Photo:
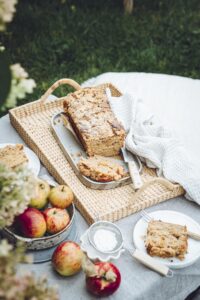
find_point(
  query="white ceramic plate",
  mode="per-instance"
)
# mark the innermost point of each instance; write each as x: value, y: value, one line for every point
x: 170, y: 216
x: 33, y: 160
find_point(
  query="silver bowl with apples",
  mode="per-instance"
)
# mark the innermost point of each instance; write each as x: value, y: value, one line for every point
x: 46, y: 241
x: 48, y: 221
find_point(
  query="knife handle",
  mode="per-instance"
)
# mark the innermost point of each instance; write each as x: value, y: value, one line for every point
x: 135, y: 175
x: 152, y: 263
x: 194, y: 235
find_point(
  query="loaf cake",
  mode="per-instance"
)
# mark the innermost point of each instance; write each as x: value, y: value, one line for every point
x: 166, y: 240
x: 13, y: 155
x: 101, y: 169
x: 94, y: 123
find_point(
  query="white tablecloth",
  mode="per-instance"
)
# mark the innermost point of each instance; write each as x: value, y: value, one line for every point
x: 175, y: 100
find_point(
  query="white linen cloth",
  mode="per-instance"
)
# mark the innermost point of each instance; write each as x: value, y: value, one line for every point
x: 156, y: 144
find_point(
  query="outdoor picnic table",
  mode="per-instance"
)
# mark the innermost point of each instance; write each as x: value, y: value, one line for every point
x: 175, y: 100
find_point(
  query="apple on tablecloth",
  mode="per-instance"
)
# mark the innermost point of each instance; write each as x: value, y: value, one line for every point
x: 67, y: 258
x: 102, y: 278
x: 56, y: 219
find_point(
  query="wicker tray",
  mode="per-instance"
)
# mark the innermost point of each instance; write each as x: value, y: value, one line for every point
x: 32, y: 121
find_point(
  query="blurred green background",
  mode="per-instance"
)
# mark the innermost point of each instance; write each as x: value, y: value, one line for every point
x: 80, y: 39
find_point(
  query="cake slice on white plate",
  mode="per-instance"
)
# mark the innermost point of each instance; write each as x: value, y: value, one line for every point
x: 13, y: 156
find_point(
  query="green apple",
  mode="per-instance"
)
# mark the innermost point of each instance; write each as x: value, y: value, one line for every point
x: 41, y: 196
x: 61, y: 196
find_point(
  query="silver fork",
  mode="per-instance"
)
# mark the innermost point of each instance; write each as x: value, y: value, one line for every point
x: 145, y: 216
x: 148, y: 218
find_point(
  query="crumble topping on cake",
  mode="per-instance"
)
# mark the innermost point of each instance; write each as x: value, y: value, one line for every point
x: 100, y: 169
x: 166, y: 239
x: 13, y: 156
x: 94, y: 123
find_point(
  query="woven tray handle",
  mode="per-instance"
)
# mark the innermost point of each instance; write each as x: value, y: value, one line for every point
x: 58, y: 83
x: 169, y: 185
x: 162, y: 181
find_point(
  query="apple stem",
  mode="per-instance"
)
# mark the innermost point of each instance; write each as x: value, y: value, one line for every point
x: 42, y: 186
x: 63, y: 189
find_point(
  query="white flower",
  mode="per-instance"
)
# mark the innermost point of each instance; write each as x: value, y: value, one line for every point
x: 5, y: 248
x: 16, y: 189
x: 27, y: 85
x: 18, y: 72
x: 20, y: 85
x: 7, y: 10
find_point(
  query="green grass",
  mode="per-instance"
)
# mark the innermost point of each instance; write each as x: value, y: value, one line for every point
x: 80, y: 39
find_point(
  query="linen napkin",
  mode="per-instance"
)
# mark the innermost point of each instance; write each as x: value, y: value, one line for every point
x: 155, y: 144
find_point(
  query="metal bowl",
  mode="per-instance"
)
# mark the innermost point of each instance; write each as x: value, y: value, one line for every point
x: 46, y: 241
x: 108, y: 226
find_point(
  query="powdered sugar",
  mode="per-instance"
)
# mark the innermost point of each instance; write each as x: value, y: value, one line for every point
x: 105, y: 240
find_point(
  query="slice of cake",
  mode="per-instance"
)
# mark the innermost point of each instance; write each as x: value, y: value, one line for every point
x: 100, y: 169
x: 166, y: 239
x: 94, y: 123
x: 13, y: 156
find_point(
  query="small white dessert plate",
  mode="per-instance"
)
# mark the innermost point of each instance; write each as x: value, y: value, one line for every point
x: 93, y: 253
x: 33, y: 160
x: 193, y: 252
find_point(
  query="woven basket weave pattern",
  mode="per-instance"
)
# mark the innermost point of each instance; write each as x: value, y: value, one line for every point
x: 32, y: 121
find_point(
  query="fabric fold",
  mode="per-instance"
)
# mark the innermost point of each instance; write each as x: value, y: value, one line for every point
x: 155, y: 144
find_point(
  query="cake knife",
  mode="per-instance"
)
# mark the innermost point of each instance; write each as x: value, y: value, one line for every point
x: 150, y: 262
x: 134, y: 166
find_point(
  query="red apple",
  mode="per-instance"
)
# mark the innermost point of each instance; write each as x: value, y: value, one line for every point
x: 31, y: 223
x: 67, y: 258
x: 56, y: 219
x: 102, y: 278
x: 61, y: 196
